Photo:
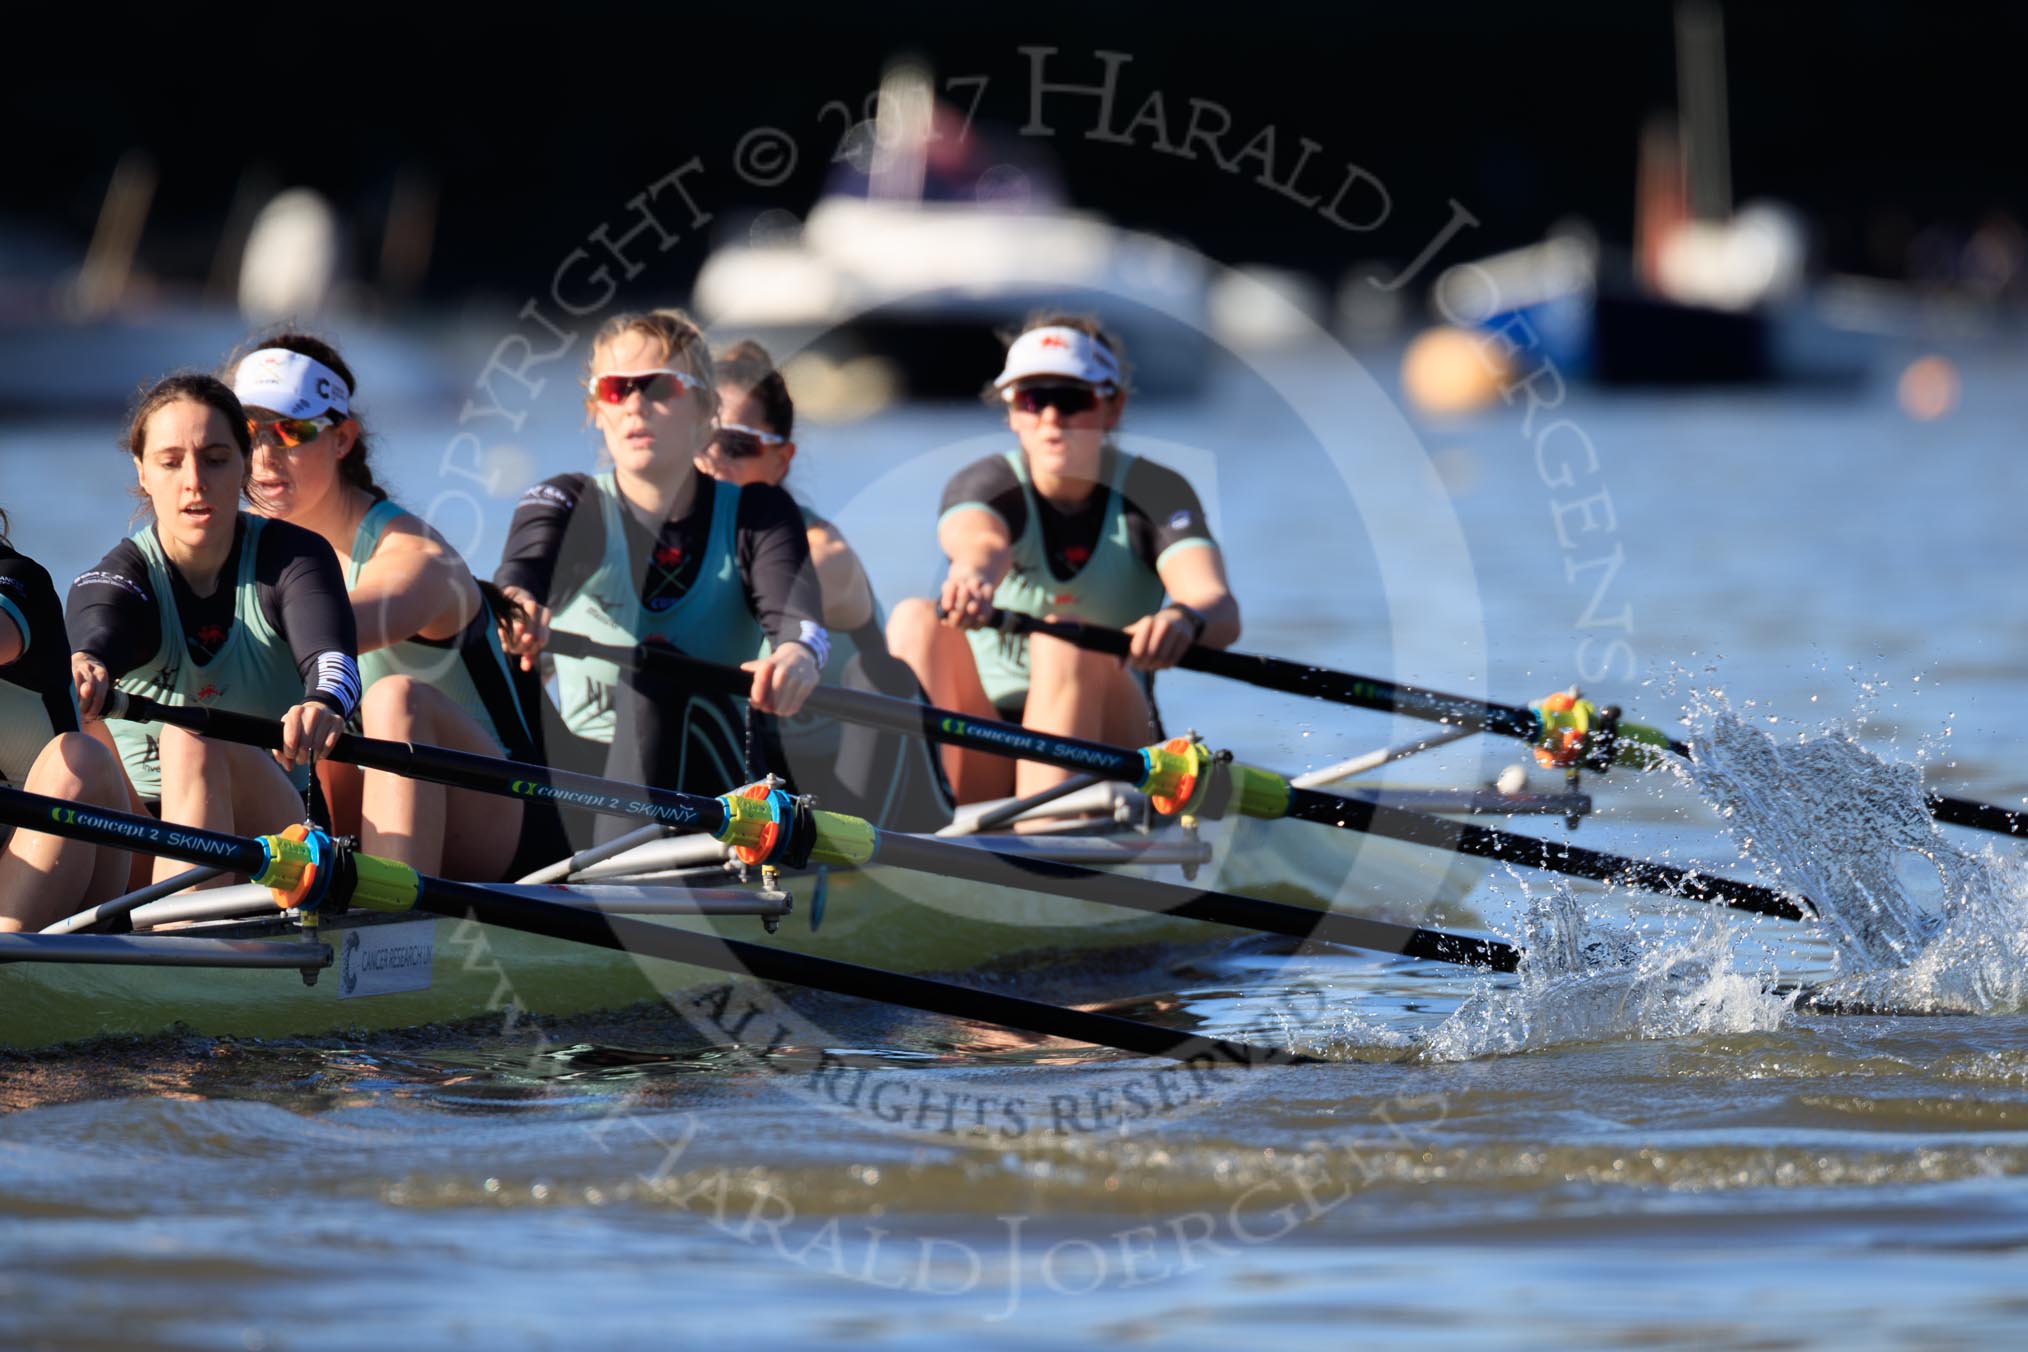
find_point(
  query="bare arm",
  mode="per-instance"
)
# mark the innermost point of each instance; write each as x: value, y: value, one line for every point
x: 414, y: 586
x: 1196, y: 578
x: 10, y: 640
x: 1193, y: 577
x: 848, y: 596
x: 977, y: 544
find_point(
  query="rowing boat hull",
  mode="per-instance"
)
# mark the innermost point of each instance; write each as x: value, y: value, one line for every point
x: 875, y: 917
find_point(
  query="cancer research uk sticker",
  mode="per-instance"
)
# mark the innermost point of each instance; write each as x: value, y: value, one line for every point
x: 386, y: 959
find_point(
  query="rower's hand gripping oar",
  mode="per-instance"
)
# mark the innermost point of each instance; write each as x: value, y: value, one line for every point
x: 1566, y: 731
x: 316, y: 876
x: 772, y: 829
x: 1184, y: 778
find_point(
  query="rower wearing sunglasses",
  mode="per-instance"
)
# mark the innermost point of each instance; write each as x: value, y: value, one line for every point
x: 43, y: 750
x: 1067, y: 525
x: 429, y: 648
x: 885, y: 777
x: 209, y: 604
x: 651, y: 550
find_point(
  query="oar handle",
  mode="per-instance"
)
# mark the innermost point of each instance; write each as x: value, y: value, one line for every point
x: 1293, y: 678
x: 444, y: 765
x: 903, y: 716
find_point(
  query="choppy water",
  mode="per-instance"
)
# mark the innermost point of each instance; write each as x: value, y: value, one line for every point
x: 1637, y: 1139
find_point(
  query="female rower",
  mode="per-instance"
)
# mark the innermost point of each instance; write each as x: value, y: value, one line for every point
x: 650, y: 550
x: 42, y: 750
x: 846, y: 767
x: 1067, y: 525
x: 430, y: 656
x: 209, y: 604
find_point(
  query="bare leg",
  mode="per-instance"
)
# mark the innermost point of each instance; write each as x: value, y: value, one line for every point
x: 43, y: 877
x: 140, y: 867
x: 941, y: 658
x: 341, y: 785
x: 222, y: 787
x: 458, y: 833
x: 1074, y: 693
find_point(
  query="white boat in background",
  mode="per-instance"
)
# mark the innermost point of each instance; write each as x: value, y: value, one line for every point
x: 928, y: 242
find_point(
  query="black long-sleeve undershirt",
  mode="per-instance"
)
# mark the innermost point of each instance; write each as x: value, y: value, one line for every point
x: 43, y: 668
x: 113, y: 614
x: 553, y: 547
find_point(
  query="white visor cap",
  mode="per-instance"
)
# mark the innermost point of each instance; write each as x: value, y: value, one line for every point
x: 1071, y: 353
x: 290, y: 383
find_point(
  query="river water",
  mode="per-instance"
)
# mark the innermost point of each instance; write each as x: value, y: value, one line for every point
x: 1632, y: 1142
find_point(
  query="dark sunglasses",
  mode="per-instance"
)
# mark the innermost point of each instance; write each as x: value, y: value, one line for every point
x: 289, y: 432
x: 663, y: 384
x: 1067, y: 400
x: 738, y: 442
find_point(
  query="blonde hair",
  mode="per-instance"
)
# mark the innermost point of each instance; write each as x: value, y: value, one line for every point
x: 683, y: 345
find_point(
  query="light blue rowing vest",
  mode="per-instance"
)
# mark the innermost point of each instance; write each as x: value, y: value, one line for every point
x: 710, y: 621
x: 1114, y: 587
x: 254, y: 673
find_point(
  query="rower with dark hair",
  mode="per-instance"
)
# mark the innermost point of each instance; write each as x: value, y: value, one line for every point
x: 42, y: 750
x: 887, y: 778
x: 430, y: 655
x: 212, y: 605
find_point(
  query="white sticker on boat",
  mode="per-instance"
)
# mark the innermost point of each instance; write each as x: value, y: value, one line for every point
x: 386, y: 959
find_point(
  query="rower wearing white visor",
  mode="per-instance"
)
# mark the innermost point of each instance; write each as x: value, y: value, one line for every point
x: 212, y: 605
x: 429, y: 645
x: 1066, y: 525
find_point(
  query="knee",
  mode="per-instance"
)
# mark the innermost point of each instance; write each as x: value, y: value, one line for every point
x: 392, y: 705
x: 913, y: 624
x: 183, y: 752
x: 1051, y: 661
x: 75, y: 766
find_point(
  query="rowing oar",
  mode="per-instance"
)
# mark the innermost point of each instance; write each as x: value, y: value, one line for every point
x: 1601, y: 738
x: 1183, y: 777
x: 312, y: 873
x: 846, y: 841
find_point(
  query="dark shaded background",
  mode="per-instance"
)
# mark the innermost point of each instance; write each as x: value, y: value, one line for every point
x: 1878, y: 119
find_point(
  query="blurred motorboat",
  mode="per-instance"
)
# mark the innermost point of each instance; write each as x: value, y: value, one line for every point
x: 932, y: 237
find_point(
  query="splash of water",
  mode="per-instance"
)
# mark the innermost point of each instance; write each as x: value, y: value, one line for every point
x: 1835, y: 822
x: 1585, y: 981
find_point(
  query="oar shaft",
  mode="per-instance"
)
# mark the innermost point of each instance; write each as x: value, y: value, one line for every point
x: 128, y: 831
x: 441, y: 896
x: 951, y: 860
x: 443, y: 765
x: 708, y: 815
x: 880, y: 711
x: 1309, y: 805
x: 1369, y: 692
x: 1575, y: 861
x: 1980, y: 816
x: 740, y: 958
x: 1293, y: 678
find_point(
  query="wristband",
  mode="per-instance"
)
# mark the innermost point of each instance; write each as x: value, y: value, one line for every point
x: 1196, y: 618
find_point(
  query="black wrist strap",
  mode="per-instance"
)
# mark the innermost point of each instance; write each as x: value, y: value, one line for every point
x: 1196, y: 618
